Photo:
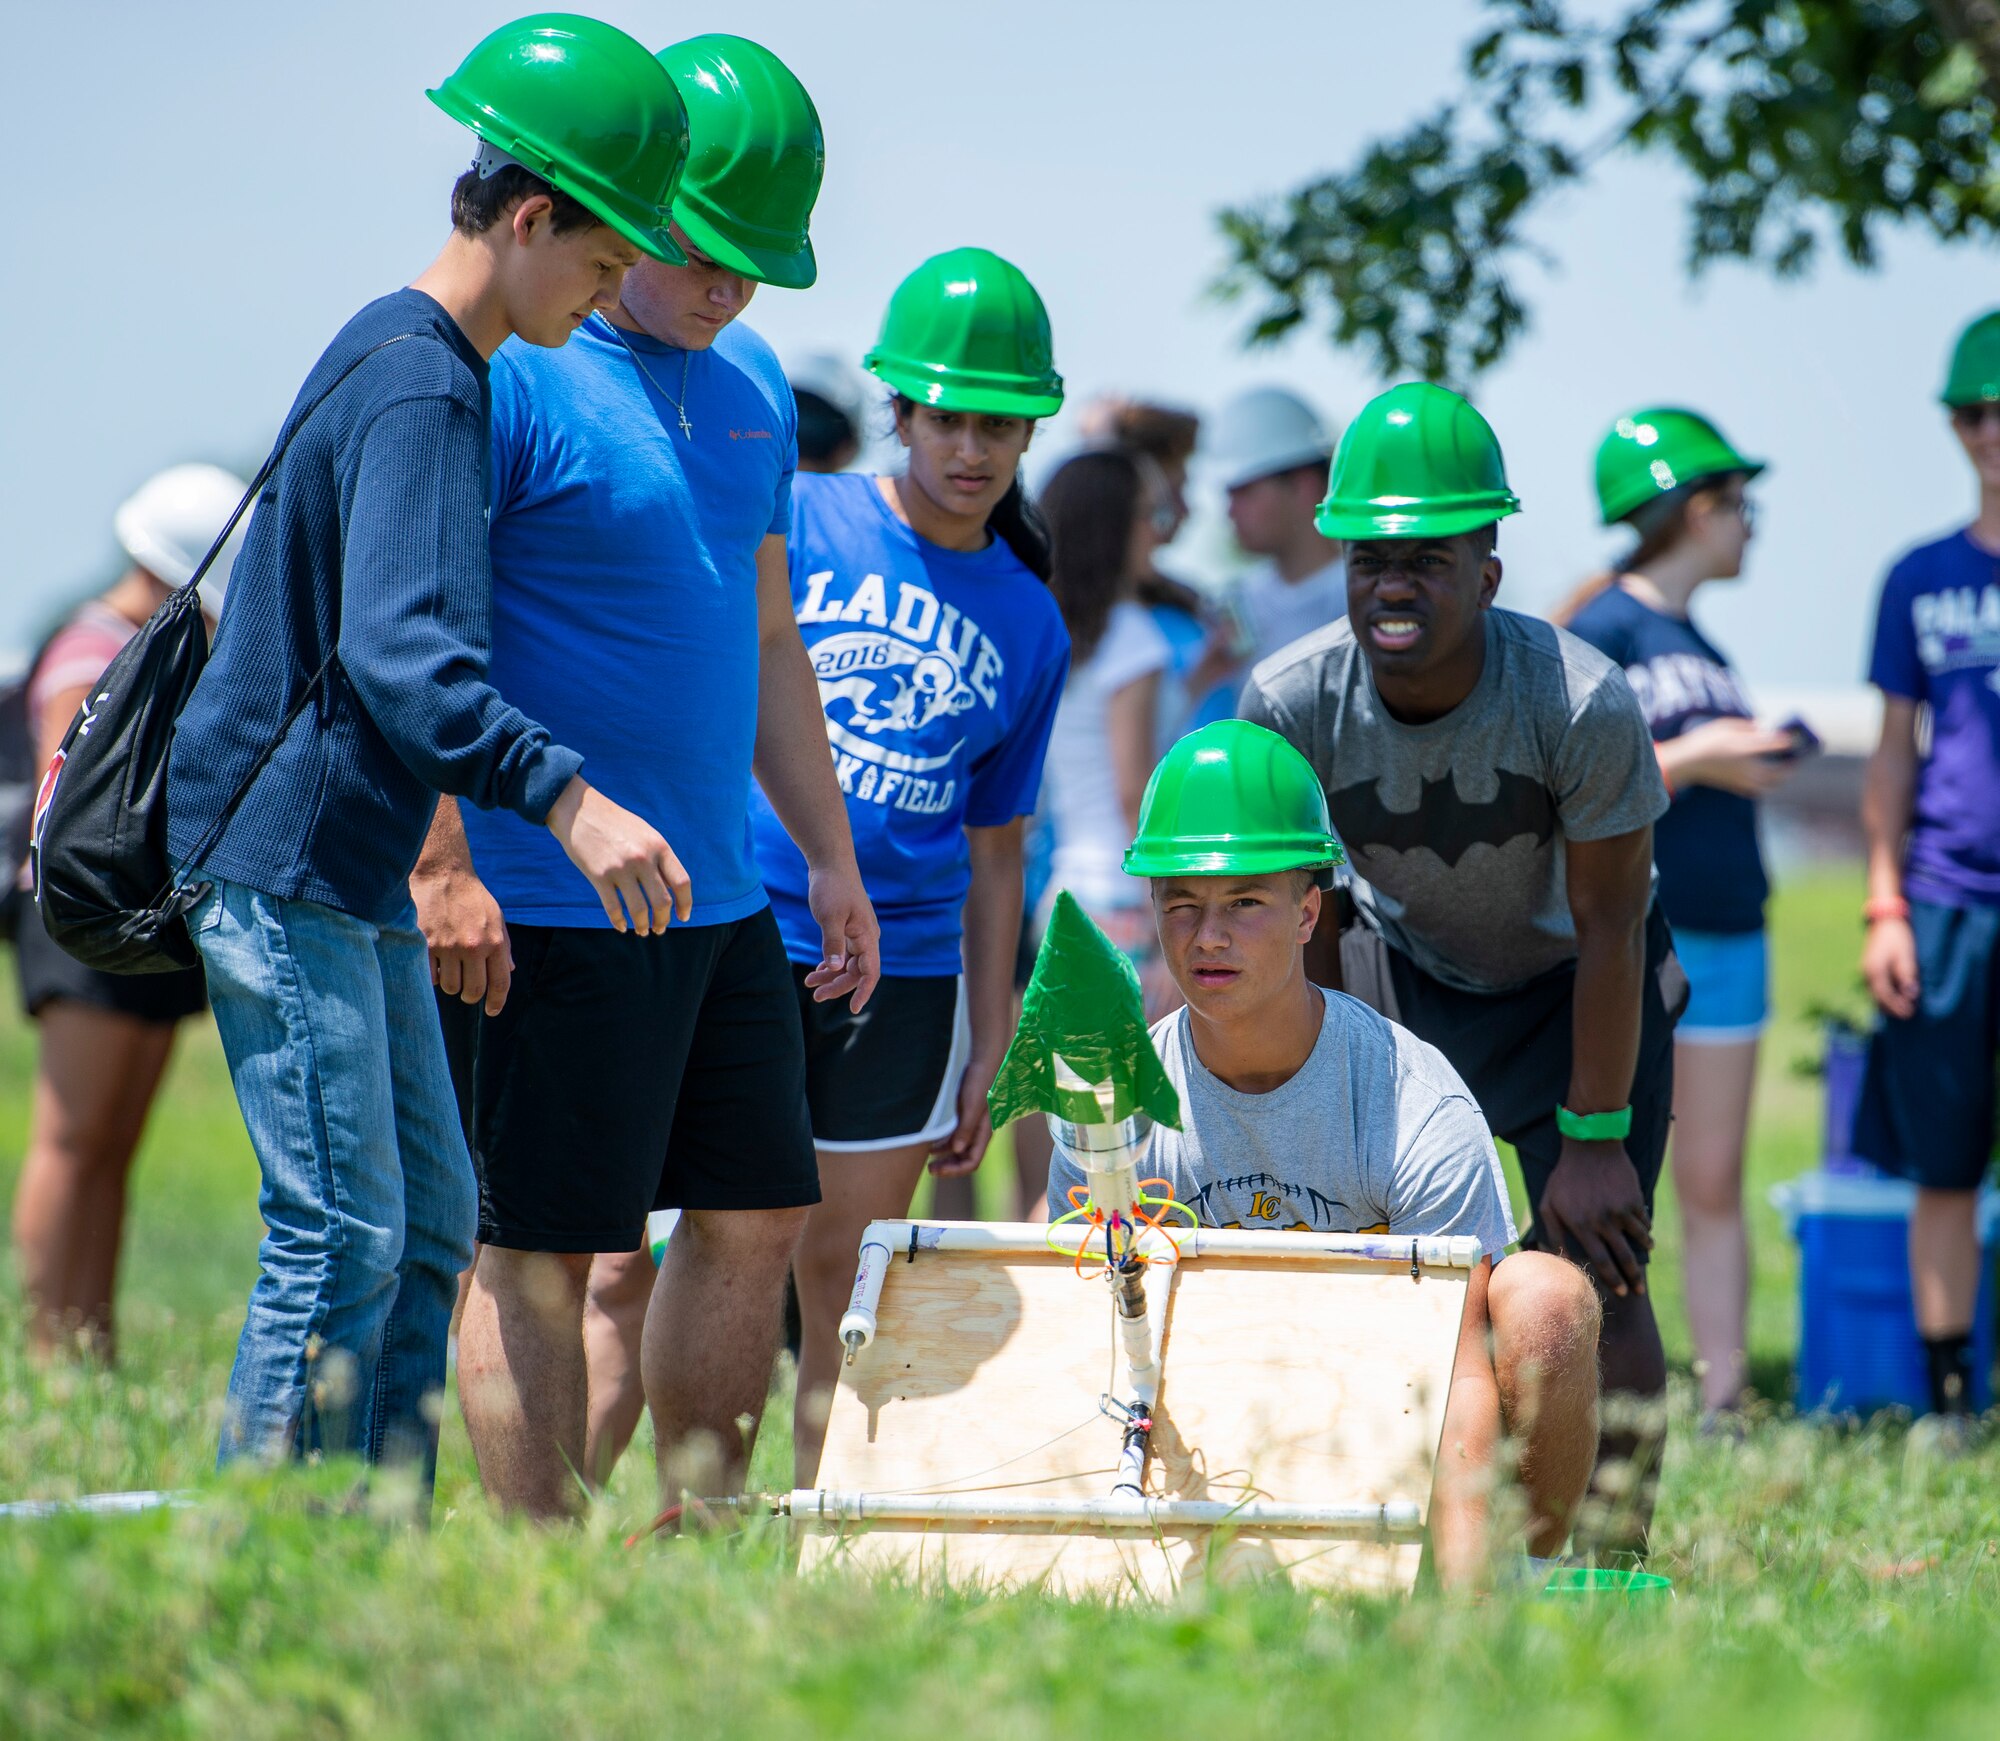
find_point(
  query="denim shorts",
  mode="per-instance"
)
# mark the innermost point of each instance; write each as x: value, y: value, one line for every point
x: 1728, y: 985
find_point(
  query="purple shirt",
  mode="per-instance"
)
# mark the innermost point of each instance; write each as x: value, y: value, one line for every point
x: 1937, y: 641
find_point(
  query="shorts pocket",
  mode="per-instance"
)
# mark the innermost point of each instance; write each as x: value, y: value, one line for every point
x: 206, y: 914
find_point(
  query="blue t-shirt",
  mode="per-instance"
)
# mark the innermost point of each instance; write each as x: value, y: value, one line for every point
x: 1711, y: 870
x: 1937, y: 641
x: 625, y: 595
x: 939, y: 671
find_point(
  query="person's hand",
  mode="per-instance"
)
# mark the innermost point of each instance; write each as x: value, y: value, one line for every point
x: 625, y: 858
x: 466, y: 935
x: 850, y: 939
x: 965, y: 1148
x: 1733, y: 755
x: 1593, y: 1205
x: 1889, y: 965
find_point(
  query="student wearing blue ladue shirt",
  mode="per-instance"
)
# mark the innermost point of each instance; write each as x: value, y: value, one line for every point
x: 940, y: 656
x: 1679, y: 485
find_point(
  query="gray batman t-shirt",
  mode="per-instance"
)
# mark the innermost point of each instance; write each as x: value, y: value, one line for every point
x: 1455, y: 828
x: 1375, y: 1134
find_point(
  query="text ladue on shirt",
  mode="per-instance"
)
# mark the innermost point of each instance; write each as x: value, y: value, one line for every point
x: 886, y: 683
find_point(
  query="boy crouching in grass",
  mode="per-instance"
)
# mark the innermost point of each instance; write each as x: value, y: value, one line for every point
x: 1304, y: 1109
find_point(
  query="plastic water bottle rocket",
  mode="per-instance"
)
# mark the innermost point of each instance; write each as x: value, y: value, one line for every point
x: 1083, y: 1058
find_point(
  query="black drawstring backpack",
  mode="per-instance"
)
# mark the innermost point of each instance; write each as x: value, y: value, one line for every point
x: 101, y: 877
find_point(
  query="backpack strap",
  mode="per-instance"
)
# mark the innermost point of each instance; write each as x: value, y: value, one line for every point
x: 213, y: 833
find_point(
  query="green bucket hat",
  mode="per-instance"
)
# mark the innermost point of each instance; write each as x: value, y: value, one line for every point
x: 967, y: 332
x: 1418, y: 462
x: 1232, y: 799
x: 757, y: 160
x: 1649, y: 453
x: 1974, y: 375
x: 585, y: 107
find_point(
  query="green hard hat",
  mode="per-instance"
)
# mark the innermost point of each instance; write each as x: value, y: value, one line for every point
x: 1647, y: 453
x: 757, y: 160
x: 1974, y: 376
x: 967, y: 332
x: 1418, y: 462
x: 585, y: 107
x: 1232, y: 798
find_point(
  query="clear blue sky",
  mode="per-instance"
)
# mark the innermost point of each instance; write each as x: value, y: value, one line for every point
x: 203, y: 191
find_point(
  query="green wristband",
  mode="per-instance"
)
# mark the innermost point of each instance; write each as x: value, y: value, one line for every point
x: 1595, y: 1127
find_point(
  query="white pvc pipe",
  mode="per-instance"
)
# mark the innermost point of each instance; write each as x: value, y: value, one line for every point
x: 886, y: 1240
x: 101, y: 1504
x: 857, y: 1323
x: 1142, y: 1369
x: 1027, y: 1239
x: 1398, y: 1520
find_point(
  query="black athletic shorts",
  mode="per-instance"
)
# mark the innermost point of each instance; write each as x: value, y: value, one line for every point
x: 628, y: 1074
x: 887, y: 1078
x: 49, y: 974
x: 1512, y: 1049
x: 461, y: 1022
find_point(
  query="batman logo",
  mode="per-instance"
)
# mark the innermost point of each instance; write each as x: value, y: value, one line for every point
x: 1442, y: 820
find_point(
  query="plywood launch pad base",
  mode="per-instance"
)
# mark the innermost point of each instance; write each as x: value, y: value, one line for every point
x: 1307, y: 1382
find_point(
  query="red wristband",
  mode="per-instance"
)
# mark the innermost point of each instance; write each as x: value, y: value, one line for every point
x: 1886, y: 907
x: 1666, y: 779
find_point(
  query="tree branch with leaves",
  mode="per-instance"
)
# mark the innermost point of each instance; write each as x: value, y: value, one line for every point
x: 1799, y: 124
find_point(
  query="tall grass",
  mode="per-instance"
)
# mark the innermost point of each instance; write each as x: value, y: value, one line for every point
x: 1829, y: 1581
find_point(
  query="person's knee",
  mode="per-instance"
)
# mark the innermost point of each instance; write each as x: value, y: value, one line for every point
x: 759, y: 1237
x: 367, y: 1255
x: 1713, y: 1188
x: 621, y: 1280
x: 1546, y: 1321
x: 1946, y: 1205
x: 551, y: 1282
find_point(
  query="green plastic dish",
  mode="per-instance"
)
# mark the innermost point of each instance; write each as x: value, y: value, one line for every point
x: 1607, y: 1581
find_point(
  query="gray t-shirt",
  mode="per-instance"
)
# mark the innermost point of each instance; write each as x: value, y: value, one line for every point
x: 1455, y: 828
x: 1375, y: 1134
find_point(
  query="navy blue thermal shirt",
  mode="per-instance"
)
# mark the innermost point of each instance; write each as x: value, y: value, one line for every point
x: 370, y: 541
x: 1711, y: 868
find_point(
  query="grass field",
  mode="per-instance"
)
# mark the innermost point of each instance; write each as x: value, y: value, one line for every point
x: 1827, y: 1583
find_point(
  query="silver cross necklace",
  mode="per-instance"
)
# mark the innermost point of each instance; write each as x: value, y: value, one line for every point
x: 680, y: 404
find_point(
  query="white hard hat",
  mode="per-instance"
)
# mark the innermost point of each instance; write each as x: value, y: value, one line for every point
x: 834, y: 379
x: 1262, y: 432
x: 167, y: 524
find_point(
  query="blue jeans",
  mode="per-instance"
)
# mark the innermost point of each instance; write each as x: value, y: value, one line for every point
x: 368, y: 1198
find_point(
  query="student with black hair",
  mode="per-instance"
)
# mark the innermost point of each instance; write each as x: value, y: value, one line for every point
x: 940, y: 655
x: 828, y: 394
x: 641, y: 506
x: 364, y: 588
x: 1101, y: 507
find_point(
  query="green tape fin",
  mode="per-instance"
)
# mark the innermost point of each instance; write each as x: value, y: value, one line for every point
x: 1083, y: 1005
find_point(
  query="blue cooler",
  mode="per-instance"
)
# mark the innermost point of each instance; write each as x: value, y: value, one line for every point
x: 1858, y: 1343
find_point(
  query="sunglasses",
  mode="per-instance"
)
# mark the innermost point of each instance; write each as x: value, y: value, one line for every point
x: 1970, y: 417
x: 1741, y: 506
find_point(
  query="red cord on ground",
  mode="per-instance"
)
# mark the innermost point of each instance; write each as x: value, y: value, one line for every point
x: 670, y: 1515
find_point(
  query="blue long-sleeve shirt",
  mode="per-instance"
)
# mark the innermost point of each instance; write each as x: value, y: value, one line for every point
x: 371, y: 541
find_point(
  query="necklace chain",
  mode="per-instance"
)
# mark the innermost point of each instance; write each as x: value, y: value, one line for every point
x: 680, y: 404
